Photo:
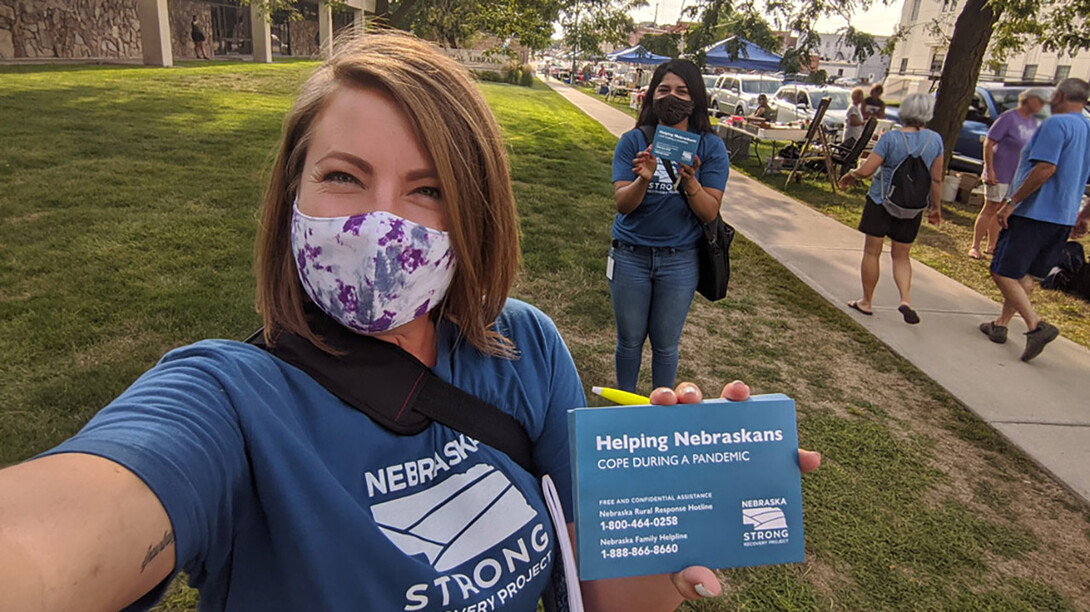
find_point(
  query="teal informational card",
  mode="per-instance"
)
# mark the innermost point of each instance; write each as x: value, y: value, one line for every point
x: 675, y: 145
x: 660, y: 488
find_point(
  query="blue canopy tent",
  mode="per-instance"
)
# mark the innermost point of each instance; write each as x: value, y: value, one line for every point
x: 750, y: 56
x: 637, y: 55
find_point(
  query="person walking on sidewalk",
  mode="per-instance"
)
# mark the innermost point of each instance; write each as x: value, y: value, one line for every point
x: 894, y: 147
x: 653, y: 263
x: 1038, y: 218
x: 1010, y: 132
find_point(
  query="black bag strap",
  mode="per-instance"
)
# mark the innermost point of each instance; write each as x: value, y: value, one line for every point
x: 395, y: 389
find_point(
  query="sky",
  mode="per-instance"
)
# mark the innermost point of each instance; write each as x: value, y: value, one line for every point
x: 880, y: 20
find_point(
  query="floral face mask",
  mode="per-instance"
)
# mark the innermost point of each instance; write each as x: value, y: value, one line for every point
x: 371, y: 272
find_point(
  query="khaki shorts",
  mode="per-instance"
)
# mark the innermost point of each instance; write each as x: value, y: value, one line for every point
x: 996, y: 193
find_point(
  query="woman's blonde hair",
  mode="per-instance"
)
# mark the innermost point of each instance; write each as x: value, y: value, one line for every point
x: 455, y: 126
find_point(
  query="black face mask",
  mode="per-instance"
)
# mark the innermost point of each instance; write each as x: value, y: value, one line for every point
x: 672, y: 110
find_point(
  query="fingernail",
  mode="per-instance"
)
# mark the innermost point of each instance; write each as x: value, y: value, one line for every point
x: 702, y: 590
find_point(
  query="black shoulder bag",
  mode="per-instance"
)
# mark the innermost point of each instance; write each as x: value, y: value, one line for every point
x: 714, y: 250
x: 393, y: 388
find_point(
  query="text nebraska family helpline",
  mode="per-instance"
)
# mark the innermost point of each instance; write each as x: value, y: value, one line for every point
x: 685, y: 438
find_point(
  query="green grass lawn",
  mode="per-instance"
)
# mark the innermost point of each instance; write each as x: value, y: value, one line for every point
x: 128, y: 201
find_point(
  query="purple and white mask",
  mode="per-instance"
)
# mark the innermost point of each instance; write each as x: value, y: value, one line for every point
x: 371, y: 272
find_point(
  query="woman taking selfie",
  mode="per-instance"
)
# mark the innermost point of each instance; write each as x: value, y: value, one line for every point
x: 278, y: 473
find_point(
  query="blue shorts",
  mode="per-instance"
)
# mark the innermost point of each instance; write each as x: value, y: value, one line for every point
x: 1029, y: 246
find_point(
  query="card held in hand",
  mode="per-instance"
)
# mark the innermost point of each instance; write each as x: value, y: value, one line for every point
x: 675, y: 145
x: 660, y: 488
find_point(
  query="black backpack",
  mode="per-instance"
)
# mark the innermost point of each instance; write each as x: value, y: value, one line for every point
x: 909, y: 189
x: 1071, y: 274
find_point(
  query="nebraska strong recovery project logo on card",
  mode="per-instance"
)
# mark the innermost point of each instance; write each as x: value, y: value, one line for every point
x: 766, y: 522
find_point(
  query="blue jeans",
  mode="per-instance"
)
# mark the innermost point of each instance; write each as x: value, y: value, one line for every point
x: 652, y: 290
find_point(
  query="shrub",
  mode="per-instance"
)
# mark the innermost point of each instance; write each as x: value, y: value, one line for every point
x: 527, y: 79
x: 512, y: 74
x: 489, y: 76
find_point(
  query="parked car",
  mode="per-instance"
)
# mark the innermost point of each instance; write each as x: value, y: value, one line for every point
x: 798, y: 101
x: 736, y: 94
x: 709, y: 85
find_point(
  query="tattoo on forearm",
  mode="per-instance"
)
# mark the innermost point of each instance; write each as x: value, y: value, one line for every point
x: 154, y: 550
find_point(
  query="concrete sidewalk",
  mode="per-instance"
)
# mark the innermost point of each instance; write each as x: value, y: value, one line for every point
x: 1043, y: 407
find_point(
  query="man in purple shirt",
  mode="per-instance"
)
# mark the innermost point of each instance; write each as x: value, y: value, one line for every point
x: 1010, y: 132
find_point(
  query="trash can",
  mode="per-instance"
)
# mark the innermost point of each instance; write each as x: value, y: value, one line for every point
x: 950, y: 187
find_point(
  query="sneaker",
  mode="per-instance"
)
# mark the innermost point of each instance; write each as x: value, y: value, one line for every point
x: 995, y: 333
x: 1038, y: 338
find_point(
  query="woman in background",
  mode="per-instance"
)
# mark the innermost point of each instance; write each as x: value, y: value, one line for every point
x: 200, y: 48
x: 1006, y: 137
x: 653, y: 266
x: 876, y: 223
x: 853, y: 126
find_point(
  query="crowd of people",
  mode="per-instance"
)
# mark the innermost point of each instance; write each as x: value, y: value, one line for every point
x: 1035, y: 175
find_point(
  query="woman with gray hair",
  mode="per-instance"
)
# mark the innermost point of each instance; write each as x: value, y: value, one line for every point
x: 880, y: 217
x: 1010, y: 132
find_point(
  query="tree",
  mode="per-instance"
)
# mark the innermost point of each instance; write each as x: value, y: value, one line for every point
x: 588, y: 24
x: 1005, y: 26
x: 661, y: 44
x: 456, y: 22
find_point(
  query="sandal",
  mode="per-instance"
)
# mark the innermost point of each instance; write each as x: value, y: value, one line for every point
x: 974, y: 253
x: 910, y: 315
x: 855, y: 304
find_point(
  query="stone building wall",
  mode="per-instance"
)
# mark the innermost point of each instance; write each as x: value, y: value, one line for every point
x: 181, y: 26
x: 302, y: 38
x: 69, y: 28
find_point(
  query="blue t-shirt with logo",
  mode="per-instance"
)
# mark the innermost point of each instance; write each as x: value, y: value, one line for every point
x: 283, y: 497
x: 1064, y: 141
x: 663, y: 218
x: 893, y: 147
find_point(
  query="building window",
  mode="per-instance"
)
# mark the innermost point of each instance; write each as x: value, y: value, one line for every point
x: 915, y: 10
x: 1029, y: 72
x: 949, y: 5
x: 1062, y: 72
x: 1001, y: 70
x: 904, y: 64
x: 936, y: 61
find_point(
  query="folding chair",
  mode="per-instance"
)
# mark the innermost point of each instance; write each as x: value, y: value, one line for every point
x: 846, y: 157
x: 816, y: 132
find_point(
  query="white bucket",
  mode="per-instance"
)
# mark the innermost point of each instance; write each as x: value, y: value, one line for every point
x: 950, y: 187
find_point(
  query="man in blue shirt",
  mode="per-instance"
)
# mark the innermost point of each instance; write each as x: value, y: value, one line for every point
x: 1038, y: 218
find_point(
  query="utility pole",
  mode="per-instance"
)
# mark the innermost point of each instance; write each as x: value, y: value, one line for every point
x: 656, y: 22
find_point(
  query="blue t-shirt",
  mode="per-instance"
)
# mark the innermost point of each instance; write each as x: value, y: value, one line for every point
x: 1062, y: 140
x: 663, y: 219
x: 892, y: 149
x: 282, y: 497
